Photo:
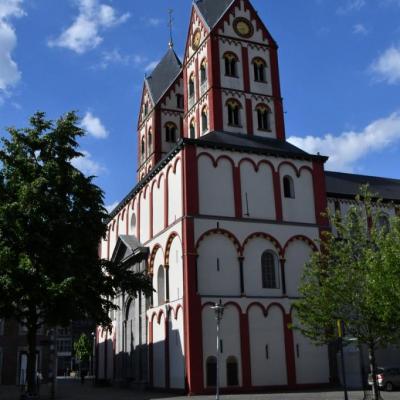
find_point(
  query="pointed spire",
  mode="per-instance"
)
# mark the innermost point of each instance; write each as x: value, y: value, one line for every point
x: 170, y: 25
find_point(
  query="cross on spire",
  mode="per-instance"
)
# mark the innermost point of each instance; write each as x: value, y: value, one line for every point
x: 170, y: 25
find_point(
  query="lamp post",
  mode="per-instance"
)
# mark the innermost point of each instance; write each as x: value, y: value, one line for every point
x: 340, y: 327
x: 219, y: 312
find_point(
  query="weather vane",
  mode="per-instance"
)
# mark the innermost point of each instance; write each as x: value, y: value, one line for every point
x: 170, y: 25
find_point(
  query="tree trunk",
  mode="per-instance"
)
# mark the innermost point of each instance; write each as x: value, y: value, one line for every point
x: 31, y: 372
x: 372, y: 364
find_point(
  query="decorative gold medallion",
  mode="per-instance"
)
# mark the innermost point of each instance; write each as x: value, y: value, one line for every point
x: 243, y: 27
x: 196, y: 38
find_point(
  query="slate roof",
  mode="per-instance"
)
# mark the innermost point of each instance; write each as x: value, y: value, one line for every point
x: 256, y: 144
x: 163, y: 75
x: 212, y: 10
x: 347, y: 185
x: 128, y: 247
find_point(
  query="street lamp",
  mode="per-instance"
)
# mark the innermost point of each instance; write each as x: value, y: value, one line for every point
x: 219, y: 312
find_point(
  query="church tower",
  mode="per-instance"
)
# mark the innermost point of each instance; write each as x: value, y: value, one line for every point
x: 225, y: 209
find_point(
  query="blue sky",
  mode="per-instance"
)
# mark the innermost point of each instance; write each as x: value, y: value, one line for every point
x: 339, y: 63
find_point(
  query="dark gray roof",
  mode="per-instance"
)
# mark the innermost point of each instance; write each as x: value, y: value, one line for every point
x: 128, y: 247
x: 339, y: 184
x: 163, y: 74
x: 257, y: 144
x: 212, y: 10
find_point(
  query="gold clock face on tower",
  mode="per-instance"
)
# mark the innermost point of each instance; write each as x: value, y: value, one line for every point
x: 243, y: 27
x: 196, y: 38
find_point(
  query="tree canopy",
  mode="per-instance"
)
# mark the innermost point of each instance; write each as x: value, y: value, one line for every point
x: 83, y: 348
x: 52, y: 219
x: 355, y: 278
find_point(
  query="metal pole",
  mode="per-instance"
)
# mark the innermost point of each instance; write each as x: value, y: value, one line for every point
x: 218, y: 357
x: 346, y: 395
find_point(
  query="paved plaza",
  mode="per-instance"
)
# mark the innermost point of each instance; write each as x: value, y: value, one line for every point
x: 73, y: 390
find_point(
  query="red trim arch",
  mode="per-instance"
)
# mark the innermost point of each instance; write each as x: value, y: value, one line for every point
x: 300, y: 238
x: 153, y: 256
x: 176, y: 310
x: 159, y: 314
x: 266, y: 309
x: 171, y: 238
x: 223, y: 232
x: 267, y: 237
x: 216, y: 161
x: 291, y: 165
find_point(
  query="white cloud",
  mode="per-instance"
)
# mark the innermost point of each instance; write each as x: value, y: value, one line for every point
x: 9, y: 72
x: 387, y: 66
x: 85, y: 32
x: 87, y: 165
x: 346, y: 149
x: 149, y: 67
x: 360, y: 29
x: 111, y: 207
x: 94, y: 126
x: 350, y: 6
x: 115, y: 57
x: 154, y: 21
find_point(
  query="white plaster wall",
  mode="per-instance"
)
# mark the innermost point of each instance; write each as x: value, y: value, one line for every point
x: 175, y: 209
x: 103, y: 247
x: 240, y: 12
x: 312, y: 362
x: 216, y: 187
x: 267, y: 331
x: 297, y: 255
x: 133, y: 218
x: 196, y: 24
x: 302, y: 207
x: 176, y: 352
x: 159, y: 352
x: 112, y: 237
x: 226, y: 281
x: 230, y: 336
x: 175, y: 270
x: 158, y: 205
x: 170, y: 100
x: 260, y: 191
x: 252, y: 273
x: 260, y: 87
x: 158, y: 260
x: 145, y: 215
x: 122, y: 223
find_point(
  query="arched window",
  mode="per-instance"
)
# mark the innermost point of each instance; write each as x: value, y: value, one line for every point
x: 203, y: 71
x: 269, y: 271
x: 232, y: 371
x: 149, y: 141
x: 204, y: 120
x: 211, y: 371
x: 231, y: 61
x: 133, y: 221
x: 233, y: 112
x: 192, y: 128
x: 288, y: 187
x: 170, y: 132
x: 191, y: 85
x: 263, y: 117
x: 143, y: 147
x: 259, y: 69
x: 161, y: 285
x: 146, y: 108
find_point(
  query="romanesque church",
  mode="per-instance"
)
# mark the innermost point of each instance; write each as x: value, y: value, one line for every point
x: 225, y: 209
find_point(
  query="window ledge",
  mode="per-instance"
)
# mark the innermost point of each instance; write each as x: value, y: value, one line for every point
x: 235, y: 126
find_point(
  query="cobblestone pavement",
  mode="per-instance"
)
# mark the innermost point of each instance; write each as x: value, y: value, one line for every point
x: 73, y: 390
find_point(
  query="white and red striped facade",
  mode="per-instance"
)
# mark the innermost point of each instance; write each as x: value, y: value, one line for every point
x: 207, y: 213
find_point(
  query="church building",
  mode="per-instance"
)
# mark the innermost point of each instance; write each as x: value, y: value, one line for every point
x: 225, y: 209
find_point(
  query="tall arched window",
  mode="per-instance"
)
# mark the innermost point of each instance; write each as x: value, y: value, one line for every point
x: 211, y: 371
x: 143, y: 149
x: 259, y: 69
x: 288, y: 187
x: 146, y: 108
x: 263, y: 117
x: 191, y: 85
x: 203, y: 71
x: 192, y: 129
x: 269, y: 272
x: 231, y: 61
x: 149, y: 141
x: 233, y: 107
x: 170, y: 132
x: 204, y: 120
x: 232, y: 371
x: 161, y: 285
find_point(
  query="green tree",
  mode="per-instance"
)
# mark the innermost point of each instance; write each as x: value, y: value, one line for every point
x: 355, y: 278
x: 52, y: 219
x: 83, y: 348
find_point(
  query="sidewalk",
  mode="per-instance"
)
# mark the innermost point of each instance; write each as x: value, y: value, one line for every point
x: 73, y: 390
